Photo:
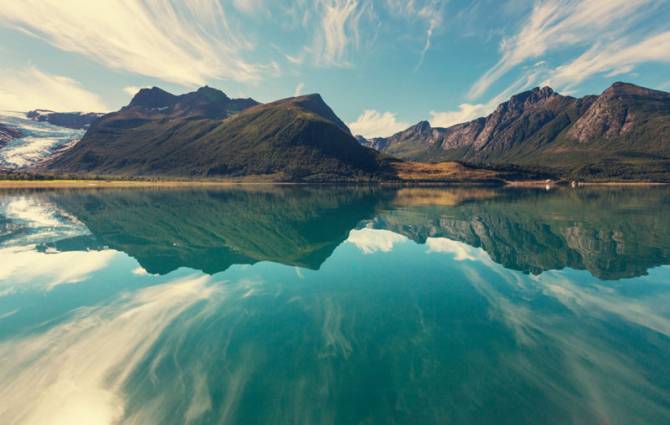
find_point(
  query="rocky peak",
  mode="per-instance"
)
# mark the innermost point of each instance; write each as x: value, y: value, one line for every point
x: 152, y: 98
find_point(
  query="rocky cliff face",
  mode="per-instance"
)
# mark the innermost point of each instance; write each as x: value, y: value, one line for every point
x: 541, y: 128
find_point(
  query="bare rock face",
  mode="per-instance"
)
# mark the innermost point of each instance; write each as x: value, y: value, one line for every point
x: 613, y: 114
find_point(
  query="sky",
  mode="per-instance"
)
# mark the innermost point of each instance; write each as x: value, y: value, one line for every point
x: 382, y: 65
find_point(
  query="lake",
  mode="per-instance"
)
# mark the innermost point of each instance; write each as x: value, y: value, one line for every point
x: 316, y: 305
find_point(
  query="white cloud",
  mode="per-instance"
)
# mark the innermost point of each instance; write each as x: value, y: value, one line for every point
x: 553, y: 24
x: 431, y: 12
x: 74, y: 372
x: 298, y: 89
x: 466, y: 112
x: 370, y: 241
x: 30, y: 88
x: 615, y: 59
x: 337, y: 31
x: 186, y: 42
x: 132, y: 90
x: 377, y: 124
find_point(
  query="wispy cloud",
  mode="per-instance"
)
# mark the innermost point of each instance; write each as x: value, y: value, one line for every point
x: 298, y: 89
x: 187, y: 42
x: 431, y: 12
x: 372, y: 123
x: 250, y: 7
x: 338, y: 30
x: 555, y: 24
x: 30, y: 88
x: 615, y: 59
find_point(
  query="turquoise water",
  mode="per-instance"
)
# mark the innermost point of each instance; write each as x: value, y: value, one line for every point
x: 278, y: 305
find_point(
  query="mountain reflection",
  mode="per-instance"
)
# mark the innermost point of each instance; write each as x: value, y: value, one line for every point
x: 210, y: 230
x: 611, y: 233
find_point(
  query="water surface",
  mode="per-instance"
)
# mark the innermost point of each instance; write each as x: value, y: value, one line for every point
x: 304, y: 305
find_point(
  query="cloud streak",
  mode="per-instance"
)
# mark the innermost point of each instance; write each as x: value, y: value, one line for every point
x: 555, y: 24
x: 31, y: 88
x: 187, y: 43
x: 338, y: 30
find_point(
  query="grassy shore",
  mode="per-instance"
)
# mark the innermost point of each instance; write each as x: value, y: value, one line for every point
x: 82, y: 184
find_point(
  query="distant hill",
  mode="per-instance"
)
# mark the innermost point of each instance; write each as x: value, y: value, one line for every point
x: 206, y: 134
x: 73, y: 120
x: 624, y: 133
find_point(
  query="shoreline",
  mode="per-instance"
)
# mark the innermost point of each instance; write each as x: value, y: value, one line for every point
x: 83, y: 184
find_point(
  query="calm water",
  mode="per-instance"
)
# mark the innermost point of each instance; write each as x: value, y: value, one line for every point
x: 324, y: 306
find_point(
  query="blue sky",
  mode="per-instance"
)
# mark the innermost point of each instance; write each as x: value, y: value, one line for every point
x: 381, y: 64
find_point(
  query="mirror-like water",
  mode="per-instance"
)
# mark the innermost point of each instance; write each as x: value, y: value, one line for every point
x: 278, y: 305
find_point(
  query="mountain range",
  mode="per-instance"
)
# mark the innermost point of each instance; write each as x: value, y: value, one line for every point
x: 622, y: 133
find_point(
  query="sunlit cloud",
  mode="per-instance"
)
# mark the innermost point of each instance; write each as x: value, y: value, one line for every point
x: 131, y: 90
x: 187, y: 42
x: 555, y: 24
x: 26, y: 268
x: 30, y: 88
x: 372, y: 123
x: 370, y: 241
x: 74, y: 373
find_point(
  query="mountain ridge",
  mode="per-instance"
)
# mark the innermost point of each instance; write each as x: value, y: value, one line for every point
x: 603, y: 135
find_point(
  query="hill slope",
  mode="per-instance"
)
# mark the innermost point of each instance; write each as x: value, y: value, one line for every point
x: 623, y: 133
x: 207, y: 134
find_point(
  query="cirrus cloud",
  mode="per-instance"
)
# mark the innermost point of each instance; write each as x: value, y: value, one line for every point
x: 187, y: 43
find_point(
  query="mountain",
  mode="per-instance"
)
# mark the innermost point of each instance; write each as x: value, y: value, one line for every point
x: 207, y: 134
x: 623, y: 133
x: 73, y: 120
x: 25, y: 143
